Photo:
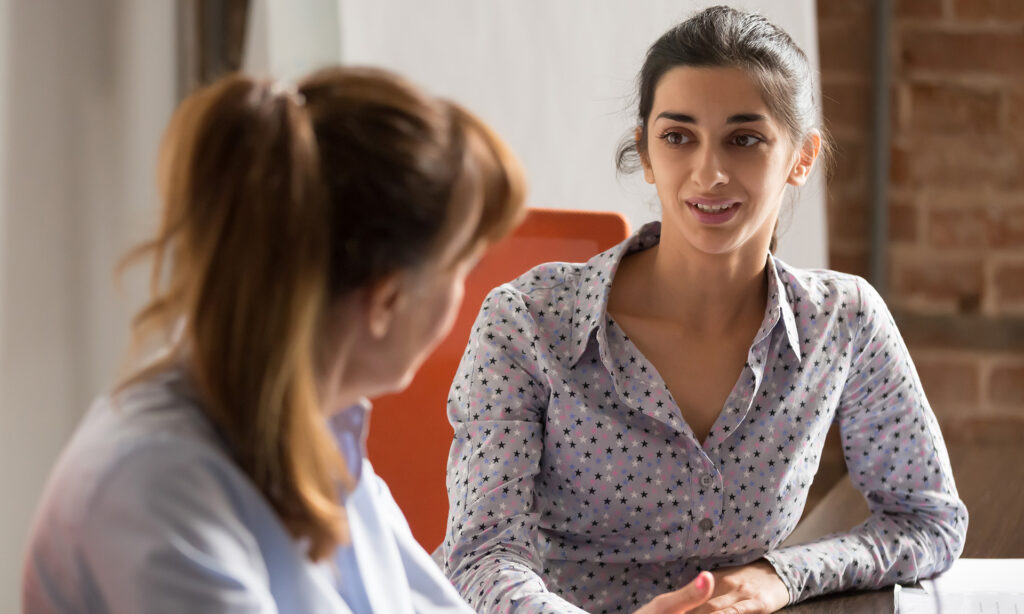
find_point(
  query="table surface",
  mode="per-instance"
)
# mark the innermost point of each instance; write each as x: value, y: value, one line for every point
x: 990, y: 480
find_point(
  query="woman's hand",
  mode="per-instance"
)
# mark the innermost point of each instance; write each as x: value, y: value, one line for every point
x: 682, y: 600
x: 750, y: 589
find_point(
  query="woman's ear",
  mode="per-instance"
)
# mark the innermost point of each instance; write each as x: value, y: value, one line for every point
x: 384, y: 299
x: 641, y: 151
x: 804, y: 163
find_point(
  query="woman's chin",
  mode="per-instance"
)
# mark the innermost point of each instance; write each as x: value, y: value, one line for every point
x: 397, y: 385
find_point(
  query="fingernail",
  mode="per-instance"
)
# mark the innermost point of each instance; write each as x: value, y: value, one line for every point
x: 702, y: 582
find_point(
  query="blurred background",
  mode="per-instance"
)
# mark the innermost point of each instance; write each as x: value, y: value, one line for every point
x: 924, y: 98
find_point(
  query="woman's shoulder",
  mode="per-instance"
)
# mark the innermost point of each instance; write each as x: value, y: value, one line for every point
x: 548, y: 278
x: 550, y: 288
x: 825, y: 289
x: 134, y: 445
x: 145, y: 485
x: 546, y: 289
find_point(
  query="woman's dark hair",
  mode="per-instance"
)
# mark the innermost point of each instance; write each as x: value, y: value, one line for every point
x: 724, y: 37
x: 277, y: 202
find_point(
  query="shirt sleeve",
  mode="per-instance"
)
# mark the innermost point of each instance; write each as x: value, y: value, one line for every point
x: 164, y: 536
x: 430, y: 591
x: 896, y: 457
x: 497, y: 405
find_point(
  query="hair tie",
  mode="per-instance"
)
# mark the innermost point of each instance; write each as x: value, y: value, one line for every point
x: 288, y: 90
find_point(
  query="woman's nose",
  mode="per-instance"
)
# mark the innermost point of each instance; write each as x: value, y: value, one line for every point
x: 709, y: 173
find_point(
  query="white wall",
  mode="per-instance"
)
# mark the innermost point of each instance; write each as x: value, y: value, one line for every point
x: 555, y: 79
x: 287, y: 39
x: 85, y: 88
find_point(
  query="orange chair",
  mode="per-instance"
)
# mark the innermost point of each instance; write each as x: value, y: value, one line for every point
x: 410, y: 435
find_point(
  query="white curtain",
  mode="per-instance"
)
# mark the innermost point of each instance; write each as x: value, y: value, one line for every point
x: 85, y: 90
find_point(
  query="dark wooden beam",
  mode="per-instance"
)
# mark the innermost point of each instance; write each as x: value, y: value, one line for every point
x: 211, y: 40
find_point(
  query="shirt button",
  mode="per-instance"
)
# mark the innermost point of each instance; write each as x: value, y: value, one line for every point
x: 706, y: 480
x: 706, y: 524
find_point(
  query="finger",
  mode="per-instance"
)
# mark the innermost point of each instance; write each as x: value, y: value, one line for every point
x: 718, y: 603
x: 690, y: 596
x: 748, y: 606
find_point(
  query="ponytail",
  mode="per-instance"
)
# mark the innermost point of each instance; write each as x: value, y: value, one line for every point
x: 278, y: 203
x: 244, y: 235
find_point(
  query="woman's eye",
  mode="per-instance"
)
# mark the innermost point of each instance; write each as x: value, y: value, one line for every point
x: 674, y: 138
x: 746, y: 140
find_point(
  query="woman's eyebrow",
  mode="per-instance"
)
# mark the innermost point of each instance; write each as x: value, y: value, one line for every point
x: 744, y: 118
x: 676, y: 117
x: 739, y: 118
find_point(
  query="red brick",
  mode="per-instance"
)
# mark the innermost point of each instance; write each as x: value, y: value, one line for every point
x: 1009, y: 282
x: 849, y: 219
x: 989, y: 9
x: 899, y: 166
x: 957, y: 228
x: 902, y: 222
x: 845, y: 9
x: 956, y: 283
x: 984, y: 430
x: 1006, y: 228
x: 949, y: 384
x: 970, y: 161
x: 997, y: 52
x: 1015, y: 111
x: 851, y: 159
x: 847, y: 105
x: 922, y: 9
x: 845, y: 46
x: 853, y: 262
x: 1006, y: 385
x: 953, y: 108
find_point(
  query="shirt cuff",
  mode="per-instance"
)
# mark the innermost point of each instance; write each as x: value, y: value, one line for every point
x: 786, y: 573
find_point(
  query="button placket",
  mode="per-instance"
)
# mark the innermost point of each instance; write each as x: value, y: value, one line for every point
x: 709, y: 513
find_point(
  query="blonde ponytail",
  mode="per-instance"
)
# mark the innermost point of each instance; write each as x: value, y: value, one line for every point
x: 277, y: 203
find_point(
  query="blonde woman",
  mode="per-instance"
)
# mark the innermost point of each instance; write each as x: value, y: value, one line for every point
x: 312, y: 250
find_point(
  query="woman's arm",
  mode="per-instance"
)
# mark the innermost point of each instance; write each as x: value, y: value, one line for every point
x: 897, y: 458
x: 497, y: 407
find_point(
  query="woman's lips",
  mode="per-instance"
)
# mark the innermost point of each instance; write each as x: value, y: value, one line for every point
x: 713, y: 210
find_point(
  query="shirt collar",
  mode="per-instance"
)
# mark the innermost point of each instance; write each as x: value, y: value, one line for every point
x: 350, y: 427
x: 595, y: 283
x: 780, y: 308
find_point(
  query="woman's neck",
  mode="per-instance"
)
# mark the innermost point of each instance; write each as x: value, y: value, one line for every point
x: 336, y: 346
x: 707, y: 294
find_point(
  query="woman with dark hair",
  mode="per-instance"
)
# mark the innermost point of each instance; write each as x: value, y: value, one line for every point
x: 624, y: 423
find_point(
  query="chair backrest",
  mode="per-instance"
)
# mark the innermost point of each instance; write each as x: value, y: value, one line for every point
x: 410, y: 435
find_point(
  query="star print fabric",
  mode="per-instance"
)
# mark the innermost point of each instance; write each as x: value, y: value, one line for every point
x: 575, y: 485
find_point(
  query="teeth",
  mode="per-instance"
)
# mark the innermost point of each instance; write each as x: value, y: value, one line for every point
x: 712, y: 208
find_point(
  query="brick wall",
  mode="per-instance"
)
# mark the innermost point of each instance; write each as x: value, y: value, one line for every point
x: 956, y: 195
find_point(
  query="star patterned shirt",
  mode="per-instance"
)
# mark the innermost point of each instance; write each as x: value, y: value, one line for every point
x: 575, y: 484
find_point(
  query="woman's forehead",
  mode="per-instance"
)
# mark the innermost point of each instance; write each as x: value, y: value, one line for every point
x: 707, y: 95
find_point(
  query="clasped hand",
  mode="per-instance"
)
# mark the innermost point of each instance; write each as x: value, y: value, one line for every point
x: 749, y: 589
